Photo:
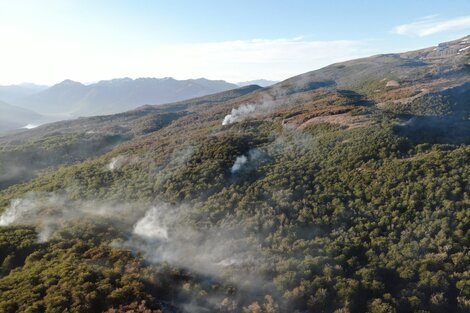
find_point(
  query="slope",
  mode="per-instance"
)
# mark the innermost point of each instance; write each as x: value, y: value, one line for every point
x: 24, y: 153
x: 310, y: 195
x: 13, y: 117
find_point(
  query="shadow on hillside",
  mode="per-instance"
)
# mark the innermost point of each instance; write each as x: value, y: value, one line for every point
x: 435, y: 129
x: 355, y: 98
x: 310, y: 86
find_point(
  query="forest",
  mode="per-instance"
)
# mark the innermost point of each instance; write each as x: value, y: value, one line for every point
x: 318, y: 196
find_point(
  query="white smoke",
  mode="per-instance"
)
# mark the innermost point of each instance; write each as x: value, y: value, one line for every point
x: 239, y: 162
x: 120, y: 161
x: 238, y: 114
x: 269, y: 102
x: 152, y: 226
x: 46, y: 232
x: 161, y: 232
x: 18, y: 210
x: 251, y: 160
x: 163, y: 236
x: 49, y: 212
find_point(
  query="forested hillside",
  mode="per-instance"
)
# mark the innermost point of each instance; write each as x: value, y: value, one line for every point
x: 344, y: 189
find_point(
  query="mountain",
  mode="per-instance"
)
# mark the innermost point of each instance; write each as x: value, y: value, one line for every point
x: 11, y: 94
x: 60, y: 98
x: 343, y: 189
x: 259, y: 82
x: 13, y: 117
x: 117, y: 95
x: 69, y: 141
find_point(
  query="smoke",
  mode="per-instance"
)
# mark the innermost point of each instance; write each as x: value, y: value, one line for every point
x: 408, y: 122
x: 266, y: 105
x: 17, y: 211
x: 163, y: 235
x: 250, y: 161
x: 12, y: 173
x: 49, y: 212
x: 223, y: 254
x: 238, y: 114
x: 161, y: 232
x: 30, y: 210
x: 273, y: 98
x: 120, y: 161
x: 151, y: 226
x: 239, y: 162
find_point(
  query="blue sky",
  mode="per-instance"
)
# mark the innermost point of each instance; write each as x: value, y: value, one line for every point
x: 88, y: 40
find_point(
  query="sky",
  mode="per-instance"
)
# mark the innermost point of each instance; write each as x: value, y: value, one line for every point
x: 48, y: 41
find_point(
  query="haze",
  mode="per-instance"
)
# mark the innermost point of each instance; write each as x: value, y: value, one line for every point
x: 46, y: 42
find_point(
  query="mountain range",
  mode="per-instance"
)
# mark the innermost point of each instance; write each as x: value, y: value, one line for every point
x: 70, y: 99
x: 117, y: 95
x: 12, y: 93
x: 344, y: 189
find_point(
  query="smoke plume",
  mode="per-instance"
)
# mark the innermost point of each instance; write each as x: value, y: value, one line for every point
x: 238, y: 114
x: 250, y: 161
x: 239, y: 162
x: 151, y: 226
x: 161, y: 232
x: 120, y: 161
x: 50, y: 211
x: 162, y: 235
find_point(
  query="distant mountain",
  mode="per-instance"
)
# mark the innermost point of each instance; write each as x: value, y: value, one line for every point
x: 118, y: 95
x: 60, y: 98
x: 33, y: 87
x: 12, y: 93
x: 259, y: 82
x: 13, y: 117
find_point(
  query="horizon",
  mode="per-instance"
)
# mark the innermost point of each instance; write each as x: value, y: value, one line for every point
x: 26, y: 83
x: 87, y: 83
x: 230, y: 43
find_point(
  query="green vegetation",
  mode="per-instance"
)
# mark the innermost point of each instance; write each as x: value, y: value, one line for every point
x: 333, y: 215
x: 358, y: 220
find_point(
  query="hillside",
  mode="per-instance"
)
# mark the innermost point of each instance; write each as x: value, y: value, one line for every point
x: 23, y: 153
x: 13, y: 117
x: 117, y: 95
x: 345, y: 189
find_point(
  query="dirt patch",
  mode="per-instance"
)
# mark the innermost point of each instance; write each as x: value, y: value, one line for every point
x: 341, y: 115
x: 344, y: 119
